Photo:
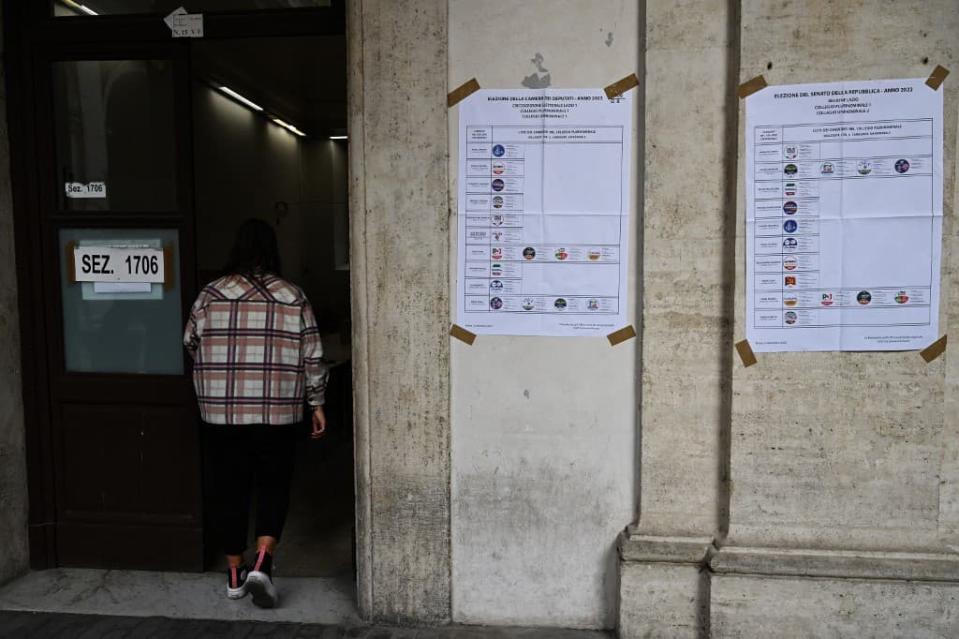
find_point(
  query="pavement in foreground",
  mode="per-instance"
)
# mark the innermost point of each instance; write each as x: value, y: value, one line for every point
x: 45, y: 625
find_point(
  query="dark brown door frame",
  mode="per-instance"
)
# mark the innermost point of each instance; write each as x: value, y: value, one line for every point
x: 30, y: 35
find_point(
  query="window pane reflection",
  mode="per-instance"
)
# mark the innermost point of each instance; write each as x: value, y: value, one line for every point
x: 115, y: 126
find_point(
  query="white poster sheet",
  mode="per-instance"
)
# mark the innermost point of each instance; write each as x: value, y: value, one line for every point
x: 843, y: 216
x: 543, y: 228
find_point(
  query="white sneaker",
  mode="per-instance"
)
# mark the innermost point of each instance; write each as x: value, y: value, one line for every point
x: 236, y: 580
x: 259, y: 581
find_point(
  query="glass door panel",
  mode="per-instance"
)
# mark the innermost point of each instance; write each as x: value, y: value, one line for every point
x: 122, y: 327
x: 115, y: 142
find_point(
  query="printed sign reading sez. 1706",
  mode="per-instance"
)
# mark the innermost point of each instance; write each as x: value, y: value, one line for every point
x: 105, y: 264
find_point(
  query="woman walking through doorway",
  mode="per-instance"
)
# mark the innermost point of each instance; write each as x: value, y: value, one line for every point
x: 257, y: 355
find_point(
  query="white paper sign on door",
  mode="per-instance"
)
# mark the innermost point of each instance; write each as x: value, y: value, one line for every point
x: 843, y: 216
x: 185, y: 25
x: 110, y: 264
x: 80, y: 190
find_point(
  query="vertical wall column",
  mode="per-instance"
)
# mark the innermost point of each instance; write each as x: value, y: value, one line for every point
x: 687, y: 289
x: 400, y: 280
x: 13, y: 472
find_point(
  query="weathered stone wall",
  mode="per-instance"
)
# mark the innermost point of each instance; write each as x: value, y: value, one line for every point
x: 846, y: 450
x: 399, y: 244
x: 814, y: 494
x: 13, y: 473
x: 844, y: 464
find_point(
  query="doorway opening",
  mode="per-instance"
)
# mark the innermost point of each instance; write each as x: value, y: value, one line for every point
x: 269, y: 128
x: 124, y: 138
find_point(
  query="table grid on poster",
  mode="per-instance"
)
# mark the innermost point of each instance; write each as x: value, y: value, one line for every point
x: 787, y: 233
x: 508, y: 200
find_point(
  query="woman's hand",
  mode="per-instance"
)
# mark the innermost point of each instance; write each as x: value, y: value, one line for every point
x: 319, y: 423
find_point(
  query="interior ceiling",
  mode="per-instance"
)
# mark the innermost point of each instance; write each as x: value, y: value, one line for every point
x: 301, y: 79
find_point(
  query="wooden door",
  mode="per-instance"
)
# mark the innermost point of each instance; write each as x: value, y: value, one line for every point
x: 115, y: 171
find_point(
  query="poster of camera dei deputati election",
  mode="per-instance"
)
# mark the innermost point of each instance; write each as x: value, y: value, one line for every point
x: 543, y: 193
x: 843, y: 216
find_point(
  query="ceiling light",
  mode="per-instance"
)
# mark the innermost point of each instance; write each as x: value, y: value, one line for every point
x: 239, y: 98
x: 338, y: 137
x: 76, y: 6
x: 289, y: 127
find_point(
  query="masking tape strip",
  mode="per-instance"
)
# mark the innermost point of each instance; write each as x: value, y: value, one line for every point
x: 623, y: 334
x: 937, y: 77
x: 934, y: 350
x: 746, y: 353
x: 622, y: 86
x: 70, y: 261
x: 462, y: 334
x: 462, y: 92
x: 749, y: 87
x: 169, y: 272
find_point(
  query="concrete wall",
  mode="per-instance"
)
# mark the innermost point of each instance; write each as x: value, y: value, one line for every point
x: 13, y: 471
x: 543, y: 429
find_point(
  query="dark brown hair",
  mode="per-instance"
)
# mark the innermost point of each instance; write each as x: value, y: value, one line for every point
x: 254, y: 250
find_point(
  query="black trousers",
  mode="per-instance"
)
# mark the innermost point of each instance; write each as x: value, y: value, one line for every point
x: 246, y: 461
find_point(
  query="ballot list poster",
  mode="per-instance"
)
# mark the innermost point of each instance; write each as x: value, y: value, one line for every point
x: 543, y: 192
x: 843, y: 216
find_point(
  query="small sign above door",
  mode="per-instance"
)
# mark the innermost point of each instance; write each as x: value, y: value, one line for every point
x: 185, y: 25
x: 109, y: 264
x: 79, y: 190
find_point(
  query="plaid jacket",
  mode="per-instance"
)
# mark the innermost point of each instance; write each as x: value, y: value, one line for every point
x: 256, y: 351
